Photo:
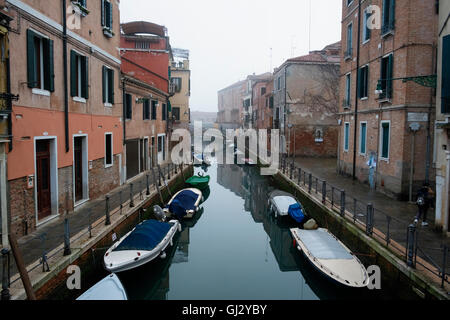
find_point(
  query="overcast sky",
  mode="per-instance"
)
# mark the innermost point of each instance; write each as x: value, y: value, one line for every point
x: 229, y: 40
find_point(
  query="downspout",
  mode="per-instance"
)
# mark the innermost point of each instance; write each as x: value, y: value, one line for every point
x: 66, y: 96
x: 357, y: 90
x: 124, y: 112
x: 432, y: 92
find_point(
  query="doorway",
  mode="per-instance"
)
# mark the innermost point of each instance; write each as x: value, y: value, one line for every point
x: 43, y: 183
x: 80, y: 169
x: 161, y: 148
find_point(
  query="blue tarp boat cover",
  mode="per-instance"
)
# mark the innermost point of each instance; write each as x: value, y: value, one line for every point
x: 146, y: 236
x: 296, y: 212
x: 185, y: 200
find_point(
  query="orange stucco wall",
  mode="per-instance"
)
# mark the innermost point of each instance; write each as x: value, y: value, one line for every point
x: 34, y: 122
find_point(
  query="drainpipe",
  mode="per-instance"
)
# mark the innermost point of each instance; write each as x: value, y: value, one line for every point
x: 411, y: 173
x: 357, y: 88
x: 124, y: 112
x: 66, y: 96
x: 432, y: 92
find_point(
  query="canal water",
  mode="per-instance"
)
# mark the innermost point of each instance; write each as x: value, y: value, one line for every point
x: 234, y: 249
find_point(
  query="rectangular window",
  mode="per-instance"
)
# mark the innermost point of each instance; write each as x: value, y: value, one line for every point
x: 79, y: 75
x: 362, y: 137
x: 279, y: 83
x: 146, y: 109
x: 385, y: 139
x: 160, y: 143
x: 108, y: 149
x: 349, y: 51
x: 363, y: 78
x: 108, y: 85
x: 388, y: 20
x: 386, y: 77
x: 347, y: 91
x: 445, y: 91
x: 176, y: 113
x: 128, y: 106
x: 366, y: 30
x: 346, y: 135
x: 154, y: 103
x: 349, y: 2
x: 107, y: 14
x: 176, y: 82
x: 263, y: 91
x: 40, y: 66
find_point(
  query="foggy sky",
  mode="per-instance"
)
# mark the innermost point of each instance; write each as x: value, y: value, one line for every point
x: 229, y: 40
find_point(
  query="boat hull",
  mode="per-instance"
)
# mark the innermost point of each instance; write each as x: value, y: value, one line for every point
x: 119, y: 261
x: 189, y: 213
x: 109, y: 288
x: 346, y: 272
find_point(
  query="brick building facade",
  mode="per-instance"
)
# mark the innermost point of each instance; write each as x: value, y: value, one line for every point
x: 379, y: 113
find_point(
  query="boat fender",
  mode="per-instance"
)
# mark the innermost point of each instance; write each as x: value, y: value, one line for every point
x: 299, y: 248
x: 163, y: 255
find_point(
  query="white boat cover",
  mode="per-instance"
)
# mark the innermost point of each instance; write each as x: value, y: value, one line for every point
x: 323, y: 245
x: 282, y: 203
x: 110, y: 288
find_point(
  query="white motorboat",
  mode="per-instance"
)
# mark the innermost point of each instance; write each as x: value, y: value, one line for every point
x: 279, y: 202
x: 185, y: 203
x: 331, y: 257
x: 109, y: 288
x: 144, y: 243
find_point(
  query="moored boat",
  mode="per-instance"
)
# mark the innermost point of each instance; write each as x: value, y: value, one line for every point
x: 282, y: 203
x: 331, y: 257
x: 199, y: 181
x: 109, y: 288
x: 145, y: 242
x: 185, y: 203
x: 200, y: 159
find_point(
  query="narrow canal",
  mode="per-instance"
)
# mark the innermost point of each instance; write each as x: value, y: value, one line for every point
x: 235, y: 249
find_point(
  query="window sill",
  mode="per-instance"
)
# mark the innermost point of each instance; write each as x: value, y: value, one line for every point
x: 385, y: 159
x: 387, y: 33
x: 79, y: 99
x: 348, y: 57
x: 108, y: 32
x: 366, y: 41
x: 384, y: 100
x: 365, y: 98
x: 107, y: 104
x: 41, y: 92
x: 108, y: 166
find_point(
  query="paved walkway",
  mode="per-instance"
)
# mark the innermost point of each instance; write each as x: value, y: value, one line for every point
x: 403, y: 213
x: 51, y: 235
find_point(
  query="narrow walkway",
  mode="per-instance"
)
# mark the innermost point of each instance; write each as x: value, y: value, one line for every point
x: 48, y: 237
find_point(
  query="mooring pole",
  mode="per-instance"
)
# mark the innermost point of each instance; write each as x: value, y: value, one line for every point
x: 21, y: 267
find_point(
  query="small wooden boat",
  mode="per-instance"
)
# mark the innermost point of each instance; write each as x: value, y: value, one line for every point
x: 331, y: 257
x: 145, y: 242
x: 283, y: 203
x: 109, y: 288
x: 185, y: 203
x: 199, y: 181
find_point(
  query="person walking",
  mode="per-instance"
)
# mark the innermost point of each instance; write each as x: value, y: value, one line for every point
x: 424, y: 201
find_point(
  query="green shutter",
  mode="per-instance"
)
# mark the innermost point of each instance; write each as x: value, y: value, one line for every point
x: 363, y: 138
x: 49, y: 68
x: 346, y: 142
x: 390, y: 76
x: 102, y: 3
x: 73, y: 74
x: 445, y: 91
x: 358, y: 83
x: 85, y: 77
x: 31, y: 60
x: 385, y: 148
x: 111, y: 86
x: 104, y: 70
x: 392, y: 14
x: 110, y: 15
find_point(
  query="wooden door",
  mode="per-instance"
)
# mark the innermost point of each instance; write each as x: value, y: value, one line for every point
x: 78, y: 163
x: 43, y: 178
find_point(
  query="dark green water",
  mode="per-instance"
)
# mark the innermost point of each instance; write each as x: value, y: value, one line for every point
x: 235, y: 250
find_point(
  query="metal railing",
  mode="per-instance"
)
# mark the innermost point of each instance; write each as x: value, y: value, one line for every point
x: 377, y: 224
x: 84, y: 221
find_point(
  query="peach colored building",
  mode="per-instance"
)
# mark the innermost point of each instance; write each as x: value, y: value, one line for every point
x: 145, y: 52
x: 66, y: 125
x: 386, y: 136
x: 180, y: 77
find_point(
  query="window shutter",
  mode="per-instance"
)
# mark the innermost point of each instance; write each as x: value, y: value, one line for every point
x: 111, y: 86
x: 368, y: 31
x: 390, y: 76
x: 73, y: 74
x: 385, y: 150
x: 392, y: 14
x: 102, y: 3
x: 104, y: 70
x: 49, y: 73
x: 445, y: 91
x: 110, y: 15
x: 359, y: 83
x: 85, y: 77
x: 31, y: 57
